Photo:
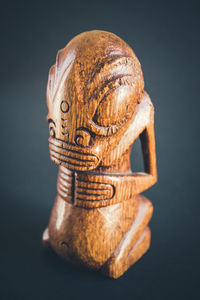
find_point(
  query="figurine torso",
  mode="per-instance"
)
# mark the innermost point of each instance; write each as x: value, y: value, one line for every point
x: 82, y: 235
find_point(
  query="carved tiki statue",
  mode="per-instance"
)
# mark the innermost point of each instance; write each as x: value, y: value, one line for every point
x: 97, y: 108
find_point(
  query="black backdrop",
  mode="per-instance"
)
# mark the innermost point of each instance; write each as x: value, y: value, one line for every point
x: 165, y: 37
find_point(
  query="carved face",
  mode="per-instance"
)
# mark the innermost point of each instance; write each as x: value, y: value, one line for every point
x: 92, y: 94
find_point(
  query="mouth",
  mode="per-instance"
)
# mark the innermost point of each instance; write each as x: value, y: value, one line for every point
x: 72, y: 157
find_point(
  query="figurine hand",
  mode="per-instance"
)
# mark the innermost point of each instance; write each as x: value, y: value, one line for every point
x: 90, y: 188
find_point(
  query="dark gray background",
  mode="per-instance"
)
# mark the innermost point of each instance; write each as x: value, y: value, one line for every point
x: 165, y: 37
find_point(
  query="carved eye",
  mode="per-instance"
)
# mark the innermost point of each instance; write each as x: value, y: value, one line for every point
x: 64, y: 106
x: 115, y: 107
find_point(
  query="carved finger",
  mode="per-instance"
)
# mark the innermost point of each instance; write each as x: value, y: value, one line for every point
x: 93, y: 191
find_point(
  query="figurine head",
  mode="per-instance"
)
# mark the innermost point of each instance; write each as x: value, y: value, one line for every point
x: 92, y: 95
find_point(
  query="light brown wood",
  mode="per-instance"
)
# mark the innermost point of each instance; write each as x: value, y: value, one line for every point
x: 97, y: 108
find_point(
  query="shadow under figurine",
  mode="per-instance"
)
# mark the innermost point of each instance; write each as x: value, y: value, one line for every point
x: 97, y: 108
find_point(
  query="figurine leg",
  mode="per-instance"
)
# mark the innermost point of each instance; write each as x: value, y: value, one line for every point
x: 134, y: 243
x: 45, y: 238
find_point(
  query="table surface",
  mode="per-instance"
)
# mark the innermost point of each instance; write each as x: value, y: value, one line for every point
x: 165, y: 37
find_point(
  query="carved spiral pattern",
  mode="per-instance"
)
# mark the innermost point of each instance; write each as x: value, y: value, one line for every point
x: 82, y: 138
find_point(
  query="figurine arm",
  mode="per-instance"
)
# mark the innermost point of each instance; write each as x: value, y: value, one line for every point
x: 143, y: 127
x: 143, y: 181
x: 136, y: 183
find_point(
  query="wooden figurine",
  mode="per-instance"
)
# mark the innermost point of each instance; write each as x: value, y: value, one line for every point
x: 97, y: 108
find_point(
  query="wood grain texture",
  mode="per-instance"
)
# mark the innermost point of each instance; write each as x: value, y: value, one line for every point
x: 97, y: 108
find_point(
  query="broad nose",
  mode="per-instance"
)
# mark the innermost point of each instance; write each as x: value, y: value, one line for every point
x: 82, y: 138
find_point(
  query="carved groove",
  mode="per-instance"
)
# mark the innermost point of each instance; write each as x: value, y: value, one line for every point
x: 94, y: 189
x: 98, y: 69
x: 87, y: 194
x: 65, y: 134
x: 69, y: 158
x: 65, y: 127
x: 70, y: 154
x: 65, y: 196
x: 64, y: 146
x: 113, y: 80
x: 64, y: 190
x: 65, y: 244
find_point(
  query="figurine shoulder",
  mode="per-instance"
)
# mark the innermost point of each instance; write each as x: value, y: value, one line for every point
x: 145, y: 112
